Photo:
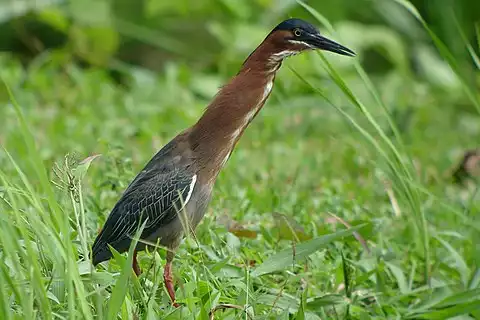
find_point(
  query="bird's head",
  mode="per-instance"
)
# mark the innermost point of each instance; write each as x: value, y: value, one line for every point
x: 293, y: 36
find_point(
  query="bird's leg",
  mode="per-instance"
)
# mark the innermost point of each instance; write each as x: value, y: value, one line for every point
x: 168, y: 278
x: 135, y: 266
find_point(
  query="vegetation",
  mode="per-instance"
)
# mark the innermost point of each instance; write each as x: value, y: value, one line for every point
x: 337, y: 203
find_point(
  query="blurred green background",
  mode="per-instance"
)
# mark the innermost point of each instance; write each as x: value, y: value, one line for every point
x: 201, y: 44
x: 373, y: 139
x: 209, y: 34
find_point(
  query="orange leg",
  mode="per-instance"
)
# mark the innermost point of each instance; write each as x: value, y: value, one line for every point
x: 168, y: 278
x: 135, y: 266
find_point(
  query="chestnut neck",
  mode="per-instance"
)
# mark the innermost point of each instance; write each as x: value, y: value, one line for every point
x: 216, y: 133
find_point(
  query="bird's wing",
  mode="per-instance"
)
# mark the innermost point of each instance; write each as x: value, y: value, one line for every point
x: 154, y: 196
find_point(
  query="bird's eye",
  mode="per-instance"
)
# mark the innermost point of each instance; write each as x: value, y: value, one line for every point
x: 297, y: 32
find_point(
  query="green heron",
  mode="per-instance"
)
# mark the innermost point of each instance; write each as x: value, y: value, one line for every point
x: 178, y: 180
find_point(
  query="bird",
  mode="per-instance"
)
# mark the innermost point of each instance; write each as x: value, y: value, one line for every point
x: 175, y: 186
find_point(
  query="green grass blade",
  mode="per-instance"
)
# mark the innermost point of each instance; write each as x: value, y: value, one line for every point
x: 399, y: 163
x: 471, y: 51
x: 284, y: 258
x: 447, y: 313
x: 119, y: 291
x: 445, y: 52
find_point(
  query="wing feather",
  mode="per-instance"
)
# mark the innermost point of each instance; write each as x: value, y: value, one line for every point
x: 154, y: 196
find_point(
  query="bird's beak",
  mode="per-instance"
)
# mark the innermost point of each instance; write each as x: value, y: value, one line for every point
x: 319, y: 42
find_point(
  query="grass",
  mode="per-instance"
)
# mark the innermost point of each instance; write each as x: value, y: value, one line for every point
x: 335, y: 205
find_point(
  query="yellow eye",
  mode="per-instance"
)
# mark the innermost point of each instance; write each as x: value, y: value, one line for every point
x: 297, y: 32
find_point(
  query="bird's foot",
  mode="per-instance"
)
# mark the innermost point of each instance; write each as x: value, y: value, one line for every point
x: 135, y: 265
x: 168, y: 279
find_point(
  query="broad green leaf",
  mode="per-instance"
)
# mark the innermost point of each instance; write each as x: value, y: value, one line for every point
x: 461, y: 265
x: 326, y: 300
x: 284, y: 259
x: 399, y: 276
x: 456, y: 310
x: 288, y: 228
x: 282, y: 301
x: 461, y: 298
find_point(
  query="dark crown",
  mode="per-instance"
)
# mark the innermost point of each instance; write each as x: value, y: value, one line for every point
x: 294, y: 23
